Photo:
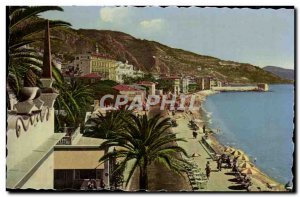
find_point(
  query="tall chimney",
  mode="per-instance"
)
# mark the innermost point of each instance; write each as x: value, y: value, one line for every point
x: 47, y: 67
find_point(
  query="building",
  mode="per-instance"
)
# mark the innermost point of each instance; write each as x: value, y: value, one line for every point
x: 130, y: 91
x: 96, y: 63
x: 263, y: 87
x: 207, y: 82
x: 185, y: 82
x: 124, y: 70
x: 156, y: 76
x: 105, y: 66
x: 204, y: 83
x: 138, y: 74
x: 150, y: 85
x: 176, y: 83
x: 90, y: 78
x: 37, y: 156
x: 77, y: 161
x: 215, y: 83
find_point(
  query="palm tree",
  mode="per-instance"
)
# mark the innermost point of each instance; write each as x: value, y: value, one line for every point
x: 109, y: 125
x: 74, y: 99
x: 146, y: 140
x: 24, y: 25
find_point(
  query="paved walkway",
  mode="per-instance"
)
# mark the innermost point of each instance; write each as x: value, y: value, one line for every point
x: 219, y: 181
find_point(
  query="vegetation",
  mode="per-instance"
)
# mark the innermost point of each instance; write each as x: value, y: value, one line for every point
x: 23, y: 25
x: 132, y: 80
x: 73, y: 101
x: 101, y: 88
x: 194, y: 87
x: 145, y: 140
x: 107, y: 126
x: 165, y: 85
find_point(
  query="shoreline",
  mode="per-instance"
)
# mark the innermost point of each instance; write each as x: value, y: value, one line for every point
x: 218, y: 147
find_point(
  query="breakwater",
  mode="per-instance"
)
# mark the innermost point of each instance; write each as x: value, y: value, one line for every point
x: 259, y: 87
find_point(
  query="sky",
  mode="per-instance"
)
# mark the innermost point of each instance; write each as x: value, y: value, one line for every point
x: 261, y: 37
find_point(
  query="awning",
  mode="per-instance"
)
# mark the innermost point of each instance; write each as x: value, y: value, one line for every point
x: 78, y: 159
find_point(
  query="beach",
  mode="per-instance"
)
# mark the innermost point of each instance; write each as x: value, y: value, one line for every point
x: 261, y: 182
x: 161, y: 178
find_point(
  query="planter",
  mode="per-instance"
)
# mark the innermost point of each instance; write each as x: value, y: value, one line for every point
x: 28, y: 93
x: 48, y: 99
x: 38, y: 103
x: 46, y: 83
x: 25, y: 107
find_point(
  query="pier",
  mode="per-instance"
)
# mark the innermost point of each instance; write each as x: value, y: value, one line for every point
x: 262, y: 87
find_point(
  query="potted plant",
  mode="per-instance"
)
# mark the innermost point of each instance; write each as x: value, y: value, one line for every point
x: 27, y: 94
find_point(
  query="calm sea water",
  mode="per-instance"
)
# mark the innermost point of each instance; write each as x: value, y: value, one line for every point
x: 259, y: 123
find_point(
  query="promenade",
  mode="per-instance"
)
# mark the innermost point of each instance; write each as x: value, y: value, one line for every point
x: 161, y: 178
x: 219, y: 181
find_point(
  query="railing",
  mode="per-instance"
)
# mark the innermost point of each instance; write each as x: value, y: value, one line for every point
x: 210, y: 150
x: 70, y: 136
x: 66, y: 140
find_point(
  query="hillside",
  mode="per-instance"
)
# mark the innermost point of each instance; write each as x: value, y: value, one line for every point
x: 151, y: 56
x: 281, y: 72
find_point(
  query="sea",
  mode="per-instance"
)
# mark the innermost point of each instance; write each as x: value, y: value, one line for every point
x: 260, y: 124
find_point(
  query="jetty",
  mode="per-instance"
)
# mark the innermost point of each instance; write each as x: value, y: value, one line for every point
x: 261, y: 87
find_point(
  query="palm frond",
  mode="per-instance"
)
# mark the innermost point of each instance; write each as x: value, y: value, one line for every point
x: 20, y: 13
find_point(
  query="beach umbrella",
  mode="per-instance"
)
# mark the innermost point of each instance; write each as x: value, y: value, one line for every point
x: 246, y: 165
x: 243, y: 158
x: 198, y: 120
x: 237, y: 153
x: 229, y: 149
x: 249, y: 171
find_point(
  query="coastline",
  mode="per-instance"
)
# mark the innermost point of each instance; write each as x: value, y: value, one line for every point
x: 260, y: 178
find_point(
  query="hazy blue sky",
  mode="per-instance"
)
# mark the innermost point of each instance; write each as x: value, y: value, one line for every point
x: 260, y: 37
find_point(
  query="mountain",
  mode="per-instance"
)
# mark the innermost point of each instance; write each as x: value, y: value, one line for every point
x: 281, y: 72
x: 151, y: 56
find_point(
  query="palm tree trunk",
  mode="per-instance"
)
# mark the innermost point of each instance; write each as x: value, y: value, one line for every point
x: 144, y: 176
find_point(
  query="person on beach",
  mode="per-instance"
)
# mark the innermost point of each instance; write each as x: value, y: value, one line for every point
x: 207, y: 169
x: 203, y: 128
x: 219, y: 164
x: 228, y: 162
x: 234, y: 168
x: 195, y: 134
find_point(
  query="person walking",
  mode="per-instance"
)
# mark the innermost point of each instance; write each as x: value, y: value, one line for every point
x: 203, y: 128
x: 219, y: 164
x: 207, y: 169
x: 195, y: 134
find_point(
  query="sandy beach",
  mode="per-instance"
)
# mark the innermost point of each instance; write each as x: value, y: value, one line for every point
x: 161, y: 178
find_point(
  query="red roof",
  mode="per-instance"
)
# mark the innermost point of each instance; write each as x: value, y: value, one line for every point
x: 91, y: 75
x: 125, y: 88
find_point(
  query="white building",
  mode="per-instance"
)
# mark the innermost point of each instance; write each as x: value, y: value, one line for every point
x: 138, y: 73
x: 122, y: 70
x: 127, y: 70
x: 185, y: 82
